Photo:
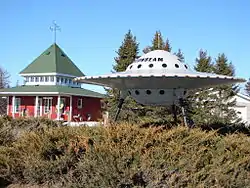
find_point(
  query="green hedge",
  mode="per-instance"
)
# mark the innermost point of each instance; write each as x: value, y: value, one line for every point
x: 126, y: 156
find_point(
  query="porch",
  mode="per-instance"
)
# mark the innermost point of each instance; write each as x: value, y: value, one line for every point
x: 61, y: 107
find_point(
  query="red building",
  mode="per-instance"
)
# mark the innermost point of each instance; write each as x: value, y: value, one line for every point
x: 49, y: 90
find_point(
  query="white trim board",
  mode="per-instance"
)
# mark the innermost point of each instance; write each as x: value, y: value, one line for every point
x: 47, y: 74
x: 45, y: 93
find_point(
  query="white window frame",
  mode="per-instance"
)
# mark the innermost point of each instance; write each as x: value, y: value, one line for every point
x: 47, y: 103
x: 17, y: 106
x: 79, y: 105
x: 52, y: 78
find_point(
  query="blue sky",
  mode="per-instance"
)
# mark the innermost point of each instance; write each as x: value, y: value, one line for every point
x: 91, y: 31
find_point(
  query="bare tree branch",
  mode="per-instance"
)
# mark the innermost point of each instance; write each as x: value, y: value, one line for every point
x: 4, y: 83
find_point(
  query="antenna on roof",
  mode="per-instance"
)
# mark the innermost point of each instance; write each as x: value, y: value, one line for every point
x: 55, y: 28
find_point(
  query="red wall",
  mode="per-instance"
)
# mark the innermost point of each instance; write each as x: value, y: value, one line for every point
x: 26, y: 102
x: 90, y: 106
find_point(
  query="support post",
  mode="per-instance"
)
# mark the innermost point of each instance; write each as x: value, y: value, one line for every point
x: 184, y: 116
x: 58, y: 107
x: 174, y: 111
x: 36, y: 106
x: 7, y: 110
x: 13, y: 106
x: 123, y: 95
x: 187, y: 121
x: 70, y: 109
x: 119, y: 107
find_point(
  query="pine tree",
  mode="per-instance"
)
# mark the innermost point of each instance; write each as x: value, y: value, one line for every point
x: 4, y: 83
x: 203, y: 62
x: 126, y: 54
x: 214, y: 105
x: 180, y: 55
x: 157, y: 43
x: 167, y: 46
x: 200, y: 99
x: 225, y: 93
x: 247, y: 87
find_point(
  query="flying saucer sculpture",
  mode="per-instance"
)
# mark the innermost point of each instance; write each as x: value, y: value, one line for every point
x: 158, y: 78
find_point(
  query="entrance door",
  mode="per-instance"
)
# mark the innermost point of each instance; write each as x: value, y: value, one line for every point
x: 40, y: 107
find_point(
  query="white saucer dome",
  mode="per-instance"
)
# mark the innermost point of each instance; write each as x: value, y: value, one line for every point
x: 158, y: 61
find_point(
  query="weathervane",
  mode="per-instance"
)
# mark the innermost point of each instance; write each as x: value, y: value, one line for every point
x: 55, y: 28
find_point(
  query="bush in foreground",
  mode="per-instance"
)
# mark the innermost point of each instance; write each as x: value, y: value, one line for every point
x: 127, y: 156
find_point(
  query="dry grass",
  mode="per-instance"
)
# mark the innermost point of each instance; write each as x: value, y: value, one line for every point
x: 126, y: 156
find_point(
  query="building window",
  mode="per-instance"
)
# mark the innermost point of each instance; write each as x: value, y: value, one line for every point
x: 41, y: 79
x: 47, y: 105
x: 52, y: 78
x: 61, y: 80
x: 57, y: 79
x: 37, y: 79
x: 27, y: 79
x: 66, y: 80
x: 79, y: 103
x: 70, y: 81
x: 32, y: 79
x: 46, y: 78
x: 17, y: 105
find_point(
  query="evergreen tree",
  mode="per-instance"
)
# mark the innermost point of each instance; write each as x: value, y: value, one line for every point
x: 4, y: 83
x: 203, y: 62
x: 247, y: 87
x: 200, y: 98
x: 225, y: 93
x: 214, y: 105
x: 180, y: 55
x: 126, y: 54
x: 167, y: 46
x: 157, y: 43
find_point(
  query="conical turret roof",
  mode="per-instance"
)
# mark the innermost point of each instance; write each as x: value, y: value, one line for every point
x: 53, y: 60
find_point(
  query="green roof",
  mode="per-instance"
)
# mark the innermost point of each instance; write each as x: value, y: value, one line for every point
x: 53, y: 60
x: 42, y: 89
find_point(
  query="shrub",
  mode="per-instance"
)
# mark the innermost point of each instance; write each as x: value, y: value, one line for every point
x: 127, y: 155
x: 12, y: 129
